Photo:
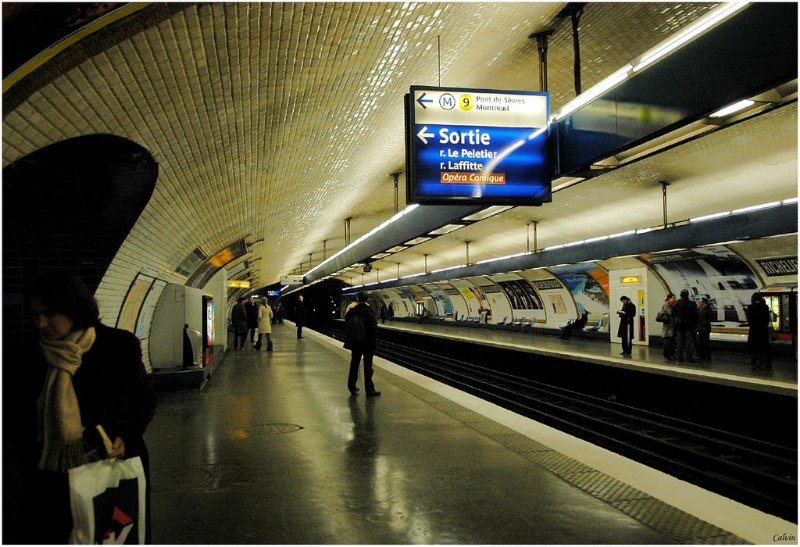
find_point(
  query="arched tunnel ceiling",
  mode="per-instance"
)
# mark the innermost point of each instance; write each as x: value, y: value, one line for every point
x: 277, y: 121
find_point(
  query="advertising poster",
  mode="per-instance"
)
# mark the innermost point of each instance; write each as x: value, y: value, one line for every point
x: 443, y: 301
x: 588, y: 284
x: 521, y: 295
x: 716, y: 273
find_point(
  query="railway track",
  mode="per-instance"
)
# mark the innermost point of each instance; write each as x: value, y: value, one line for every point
x: 755, y: 472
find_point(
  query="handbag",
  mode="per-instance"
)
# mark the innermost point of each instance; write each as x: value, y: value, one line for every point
x: 664, y: 317
x: 107, y: 499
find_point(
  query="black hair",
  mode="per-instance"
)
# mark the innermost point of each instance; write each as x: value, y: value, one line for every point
x: 756, y: 297
x: 64, y: 293
x: 363, y: 296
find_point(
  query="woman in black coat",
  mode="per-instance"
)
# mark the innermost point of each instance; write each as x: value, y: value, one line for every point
x: 759, y: 318
x: 80, y: 374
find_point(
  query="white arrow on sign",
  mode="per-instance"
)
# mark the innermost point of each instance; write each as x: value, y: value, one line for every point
x: 423, y: 136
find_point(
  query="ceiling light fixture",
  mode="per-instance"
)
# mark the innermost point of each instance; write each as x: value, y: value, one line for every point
x: 735, y: 107
x: 446, y: 229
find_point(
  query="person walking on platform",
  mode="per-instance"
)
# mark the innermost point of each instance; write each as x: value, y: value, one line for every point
x: 361, y: 338
x: 300, y: 316
x: 239, y: 322
x: 625, y: 330
x: 576, y: 325
x: 667, y: 331
x: 703, y: 330
x: 77, y: 375
x: 759, y: 318
x: 684, y: 321
x: 264, y: 324
x: 251, y: 307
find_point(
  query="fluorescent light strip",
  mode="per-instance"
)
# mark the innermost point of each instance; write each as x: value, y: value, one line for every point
x: 697, y: 28
x: 488, y: 260
x: 756, y: 207
x: 593, y: 92
x: 396, y: 217
x: 448, y: 268
x: 788, y: 201
x: 735, y: 107
x: 709, y: 217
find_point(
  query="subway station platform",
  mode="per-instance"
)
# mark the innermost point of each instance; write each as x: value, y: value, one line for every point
x: 724, y: 367
x: 274, y: 450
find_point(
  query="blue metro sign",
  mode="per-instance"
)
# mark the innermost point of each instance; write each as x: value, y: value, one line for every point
x: 477, y: 146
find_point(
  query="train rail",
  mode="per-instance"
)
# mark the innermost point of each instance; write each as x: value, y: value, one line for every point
x: 752, y: 471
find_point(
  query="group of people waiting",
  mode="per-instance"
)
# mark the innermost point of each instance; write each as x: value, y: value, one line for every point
x: 250, y: 317
x: 686, y: 329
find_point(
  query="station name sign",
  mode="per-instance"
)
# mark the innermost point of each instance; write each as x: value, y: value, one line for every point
x: 474, y: 146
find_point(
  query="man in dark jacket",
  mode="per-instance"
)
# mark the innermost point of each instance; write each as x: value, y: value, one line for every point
x: 300, y: 316
x: 684, y: 322
x: 759, y: 318
x: 365, y: 346
x: 625, y: 330
x: 251, y: 308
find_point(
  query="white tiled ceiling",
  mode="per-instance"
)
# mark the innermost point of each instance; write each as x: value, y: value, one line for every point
x: 281, y: 120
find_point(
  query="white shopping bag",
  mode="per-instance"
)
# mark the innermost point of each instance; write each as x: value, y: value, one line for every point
x: 108, y: 502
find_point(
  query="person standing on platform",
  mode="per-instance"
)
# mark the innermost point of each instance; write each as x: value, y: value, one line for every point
x: 300, y: 316
x: 703, y: 330
x: 79, y: 374
x: 251, y: 307
x: 625, y: 330
x: 264, y: 324
x: 576, y: 325
x: 667, y: 331
x: 279, y: 313
x: 383, y: 313
x: 759, y: 318
x: 684, y: 321
x: 239, y: 322
x: 361, y: 338
x: 391, y: 312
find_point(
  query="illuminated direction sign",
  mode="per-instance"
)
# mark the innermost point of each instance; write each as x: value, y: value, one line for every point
x: 477, y: 146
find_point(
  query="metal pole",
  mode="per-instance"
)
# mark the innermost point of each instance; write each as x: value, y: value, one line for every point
x: 426, y: 263
x: 664, y: 185
x: 535, y: 236
x: 541, y: 42
x: 528, y: 237
x: 396, y: 176
x: 347, y: 231
x: 324, y: 249
x: 467, y: 244
x: 576, y: 16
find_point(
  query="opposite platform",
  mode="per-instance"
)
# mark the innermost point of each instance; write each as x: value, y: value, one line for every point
x: 275, y: 450
x: 725, y: 367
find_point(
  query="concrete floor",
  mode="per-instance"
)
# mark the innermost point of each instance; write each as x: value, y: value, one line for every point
x: 274, y: 450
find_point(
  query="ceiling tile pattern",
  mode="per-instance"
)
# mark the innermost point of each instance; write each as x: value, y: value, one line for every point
x: 278, y: 121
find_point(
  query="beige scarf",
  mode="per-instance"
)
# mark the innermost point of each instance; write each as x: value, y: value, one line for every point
x: 59, y: 414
